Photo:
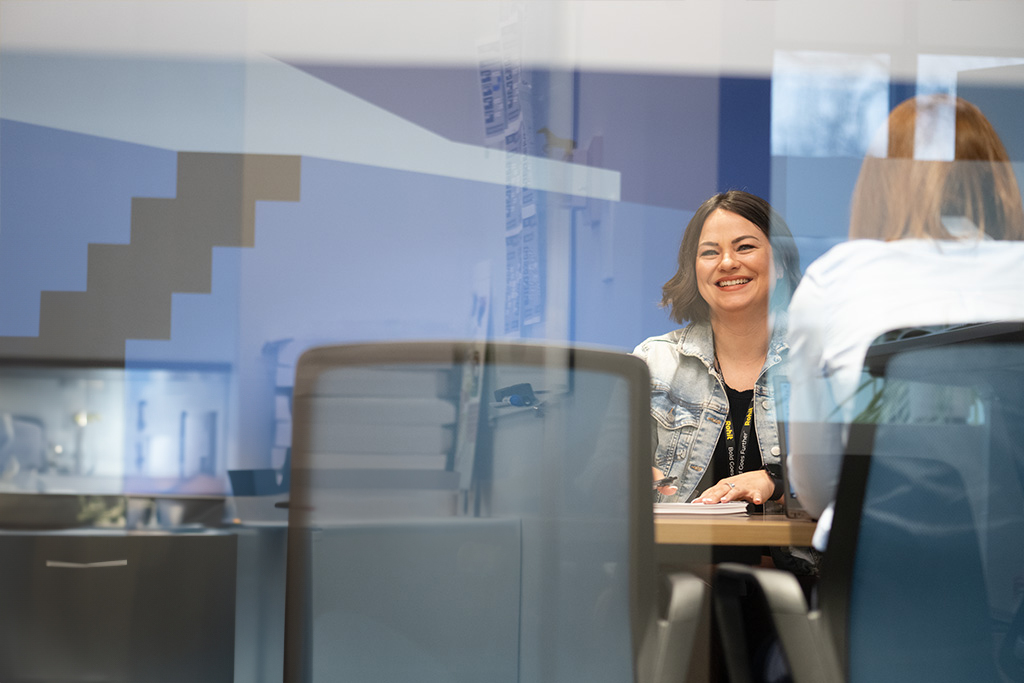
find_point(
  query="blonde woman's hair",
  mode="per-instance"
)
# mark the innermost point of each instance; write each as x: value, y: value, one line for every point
x: 904, y: 195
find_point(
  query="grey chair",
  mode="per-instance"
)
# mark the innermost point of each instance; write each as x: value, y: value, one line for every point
x: 22, y: 443
x: 922, y: 574
x: 477, y: 511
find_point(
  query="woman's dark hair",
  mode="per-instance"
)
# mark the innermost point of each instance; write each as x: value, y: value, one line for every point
x: 680, y: 294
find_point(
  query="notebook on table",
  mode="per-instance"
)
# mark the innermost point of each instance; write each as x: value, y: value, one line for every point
x: 739, y: 507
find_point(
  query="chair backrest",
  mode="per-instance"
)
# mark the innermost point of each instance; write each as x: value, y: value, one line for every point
x: 926, y: 551
x: 466, y: 512
x: 23, y: 441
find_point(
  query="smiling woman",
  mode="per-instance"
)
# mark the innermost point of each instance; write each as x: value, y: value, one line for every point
x: 711, y: 398
x: 734, y: 268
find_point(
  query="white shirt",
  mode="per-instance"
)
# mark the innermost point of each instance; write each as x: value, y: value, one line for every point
x: 848, y: 297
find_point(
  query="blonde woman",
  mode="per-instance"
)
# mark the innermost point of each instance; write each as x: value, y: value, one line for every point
x: 935, y: 227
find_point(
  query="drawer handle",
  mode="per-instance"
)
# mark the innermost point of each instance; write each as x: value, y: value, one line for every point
x: 86, y: 565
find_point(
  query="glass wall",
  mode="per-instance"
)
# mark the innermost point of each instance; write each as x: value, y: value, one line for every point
x: 194, y: 193
x: 214, y: 187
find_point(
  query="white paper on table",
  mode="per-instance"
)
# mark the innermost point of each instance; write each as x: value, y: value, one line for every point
x: 737, y: 507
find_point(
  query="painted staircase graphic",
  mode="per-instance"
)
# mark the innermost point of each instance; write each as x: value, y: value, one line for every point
x: 129, y: 286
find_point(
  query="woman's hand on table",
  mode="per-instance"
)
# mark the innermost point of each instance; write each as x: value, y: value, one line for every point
x: 754, y: 487
x: 669, y: 490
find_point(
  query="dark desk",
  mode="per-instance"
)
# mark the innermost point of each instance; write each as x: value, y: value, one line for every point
x: 753, y: 530
x: 109, y: 605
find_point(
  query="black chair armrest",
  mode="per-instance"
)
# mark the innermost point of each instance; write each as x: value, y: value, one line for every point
x: 753, y: 606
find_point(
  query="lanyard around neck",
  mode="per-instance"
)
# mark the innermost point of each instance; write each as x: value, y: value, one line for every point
x: 738, y: 451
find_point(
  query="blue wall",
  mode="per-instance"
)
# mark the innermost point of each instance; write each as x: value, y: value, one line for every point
x: 366, y: 251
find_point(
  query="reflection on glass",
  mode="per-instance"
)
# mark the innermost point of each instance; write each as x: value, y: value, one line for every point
x: 81, y: 429
x: 827, y: 103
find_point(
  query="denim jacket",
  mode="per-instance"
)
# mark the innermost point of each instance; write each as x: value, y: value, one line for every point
x: 689, y: 404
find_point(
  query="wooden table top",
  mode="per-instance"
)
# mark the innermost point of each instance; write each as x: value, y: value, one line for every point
x: 742, y: 530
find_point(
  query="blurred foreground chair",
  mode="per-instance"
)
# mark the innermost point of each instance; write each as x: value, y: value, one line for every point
x: 924, y: 571
x: 472, y: 511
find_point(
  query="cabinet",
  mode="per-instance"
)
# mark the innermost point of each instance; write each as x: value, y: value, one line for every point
x: 117, y: 607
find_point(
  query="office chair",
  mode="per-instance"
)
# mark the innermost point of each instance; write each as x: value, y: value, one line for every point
x: 22, y: 444
x: 921, y: 579
x: 476, y: 511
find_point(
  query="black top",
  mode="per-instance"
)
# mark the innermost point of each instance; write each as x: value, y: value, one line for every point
x: 744, y: 460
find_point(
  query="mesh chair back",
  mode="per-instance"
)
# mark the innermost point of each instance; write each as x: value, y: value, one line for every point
x: 467, y: 512
x: 928, y: 539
